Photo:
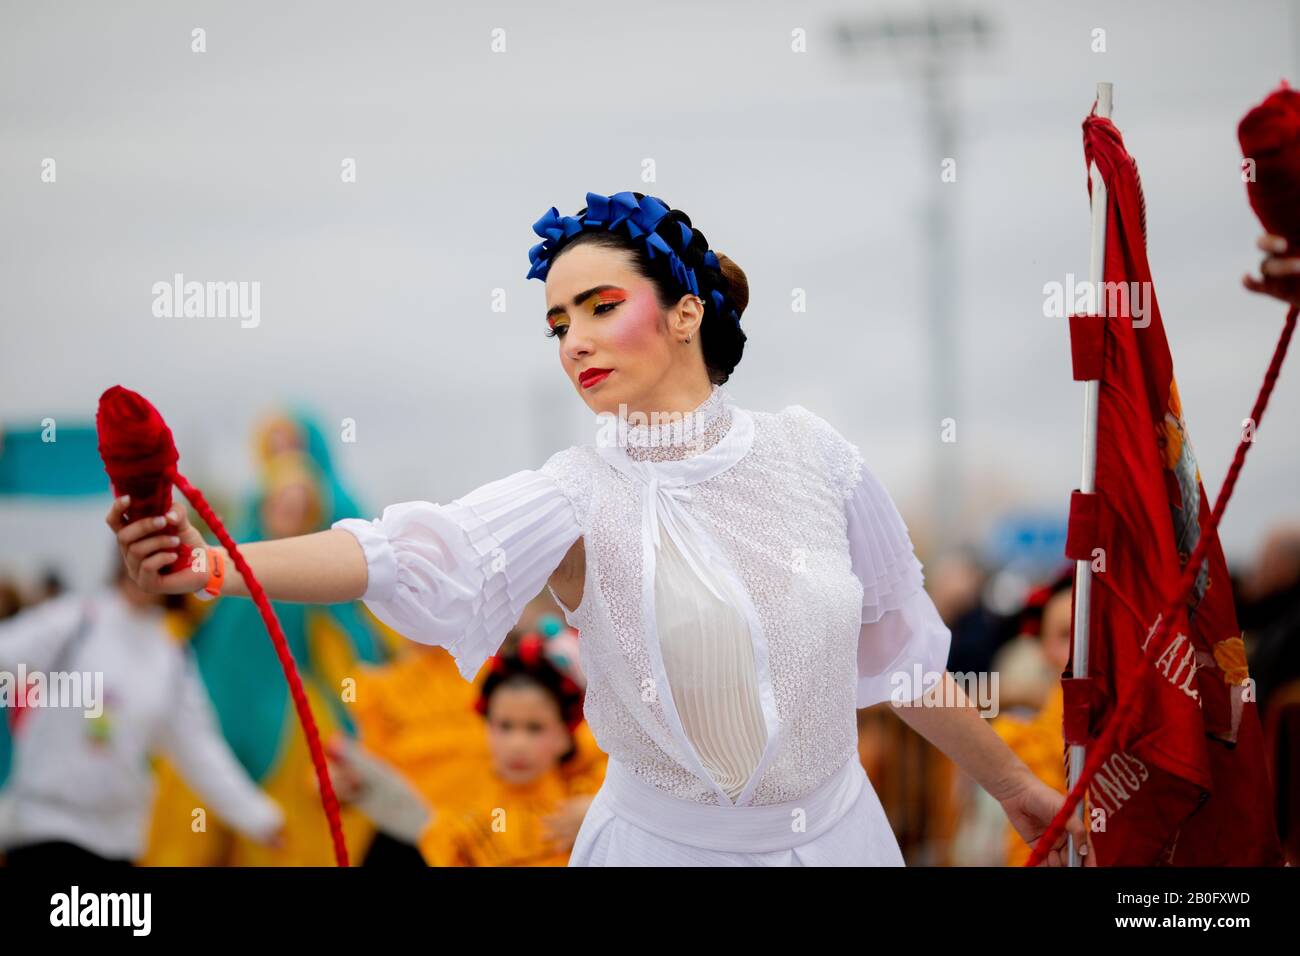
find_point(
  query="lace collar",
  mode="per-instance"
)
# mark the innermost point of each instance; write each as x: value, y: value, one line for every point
x: 668, y: 436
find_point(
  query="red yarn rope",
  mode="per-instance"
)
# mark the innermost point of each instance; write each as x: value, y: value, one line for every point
x: 1118, y: 722
x: 328, y: 799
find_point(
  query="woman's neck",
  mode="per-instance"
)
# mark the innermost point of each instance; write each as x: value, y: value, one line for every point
x: 666, y: 434
x: 675, y: 400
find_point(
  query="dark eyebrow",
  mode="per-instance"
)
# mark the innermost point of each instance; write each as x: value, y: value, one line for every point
x: 581, y: 297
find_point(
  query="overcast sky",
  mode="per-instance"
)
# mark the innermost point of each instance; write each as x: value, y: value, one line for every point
x: 809, y: 169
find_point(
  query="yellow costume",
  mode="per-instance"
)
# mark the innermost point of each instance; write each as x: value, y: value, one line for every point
x: 329, y: 643
x: 501, y: 826
x: 175, y: 839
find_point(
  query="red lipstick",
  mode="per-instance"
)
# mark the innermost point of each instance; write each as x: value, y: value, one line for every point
x: 592, y: 376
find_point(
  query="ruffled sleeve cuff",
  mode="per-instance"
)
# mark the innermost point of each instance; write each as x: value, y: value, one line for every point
x: 381, y: 560
x: 458, y: 575
x: 903, y: 654
x: 881, y: 549
x: 903, y: 643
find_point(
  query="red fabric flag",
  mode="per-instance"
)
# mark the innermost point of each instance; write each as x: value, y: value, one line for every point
x: 1188, y: 784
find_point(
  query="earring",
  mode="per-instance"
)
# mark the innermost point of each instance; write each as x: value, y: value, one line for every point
x: 688, y: 339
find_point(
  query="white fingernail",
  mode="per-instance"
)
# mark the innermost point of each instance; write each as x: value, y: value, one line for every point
x: 171, y: 516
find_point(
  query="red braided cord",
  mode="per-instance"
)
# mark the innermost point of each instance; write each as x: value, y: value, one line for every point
x: 1118, y: 722
x: 327, y: 796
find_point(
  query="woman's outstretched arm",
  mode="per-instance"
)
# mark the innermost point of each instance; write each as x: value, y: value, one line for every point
x: 326, y: 567
x: 456, y: 575
x: 947, y: 718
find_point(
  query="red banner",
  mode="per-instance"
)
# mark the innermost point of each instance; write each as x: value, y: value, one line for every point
x: 1188, y: 784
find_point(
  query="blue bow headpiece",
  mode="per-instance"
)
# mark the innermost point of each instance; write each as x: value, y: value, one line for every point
x: 637, y: 218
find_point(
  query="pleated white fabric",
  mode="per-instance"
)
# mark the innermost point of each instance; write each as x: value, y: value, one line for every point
x: 903, y: 654
x: 458, y: 575
x: 903, y: 643
x: 880, y: 548
x: 709, y: 660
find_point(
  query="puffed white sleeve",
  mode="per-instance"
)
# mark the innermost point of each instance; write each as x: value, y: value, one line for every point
x: 458, y: 575
x: 903, y: 643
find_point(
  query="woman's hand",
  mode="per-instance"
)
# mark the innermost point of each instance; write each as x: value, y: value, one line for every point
x: 1279, y: 272
x: 149, y: 544
x: 1031, y: 805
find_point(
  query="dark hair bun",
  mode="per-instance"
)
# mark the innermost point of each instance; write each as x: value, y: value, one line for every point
x: 723, y: 341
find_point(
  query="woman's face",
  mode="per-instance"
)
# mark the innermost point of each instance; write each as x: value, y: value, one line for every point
x: 607, y: 317
x: 526, y: 734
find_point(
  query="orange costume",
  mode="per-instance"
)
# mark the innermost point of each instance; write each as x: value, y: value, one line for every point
x: 500, y: 826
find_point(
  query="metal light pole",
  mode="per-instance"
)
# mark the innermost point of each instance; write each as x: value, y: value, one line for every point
x: 926, y: 46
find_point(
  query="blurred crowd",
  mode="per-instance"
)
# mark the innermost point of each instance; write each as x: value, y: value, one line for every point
x: 195, y: 757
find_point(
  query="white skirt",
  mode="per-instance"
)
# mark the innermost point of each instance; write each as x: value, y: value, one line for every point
x: 841, y: 823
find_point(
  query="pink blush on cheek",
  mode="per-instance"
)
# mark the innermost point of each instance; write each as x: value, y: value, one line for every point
x: 638, y: 325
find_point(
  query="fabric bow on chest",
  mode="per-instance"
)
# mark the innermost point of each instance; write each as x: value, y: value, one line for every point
x: 666, y: 488
x: 663, y: 503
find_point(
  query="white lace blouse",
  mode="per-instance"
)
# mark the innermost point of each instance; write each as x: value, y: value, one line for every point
x: 749, y: 584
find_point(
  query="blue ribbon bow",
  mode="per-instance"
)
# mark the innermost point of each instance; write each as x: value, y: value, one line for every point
x: 638, y: 218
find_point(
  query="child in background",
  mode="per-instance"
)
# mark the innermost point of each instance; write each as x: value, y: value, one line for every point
x: 423, y: 746
x: 520, y: 808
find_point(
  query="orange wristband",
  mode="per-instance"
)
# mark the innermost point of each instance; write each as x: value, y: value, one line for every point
x: 216, y: 576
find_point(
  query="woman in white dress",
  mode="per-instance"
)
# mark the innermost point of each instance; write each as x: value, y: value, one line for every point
x: 741, y: 580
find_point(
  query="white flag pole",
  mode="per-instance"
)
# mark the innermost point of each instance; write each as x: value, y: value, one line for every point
x: 1083, y: 567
